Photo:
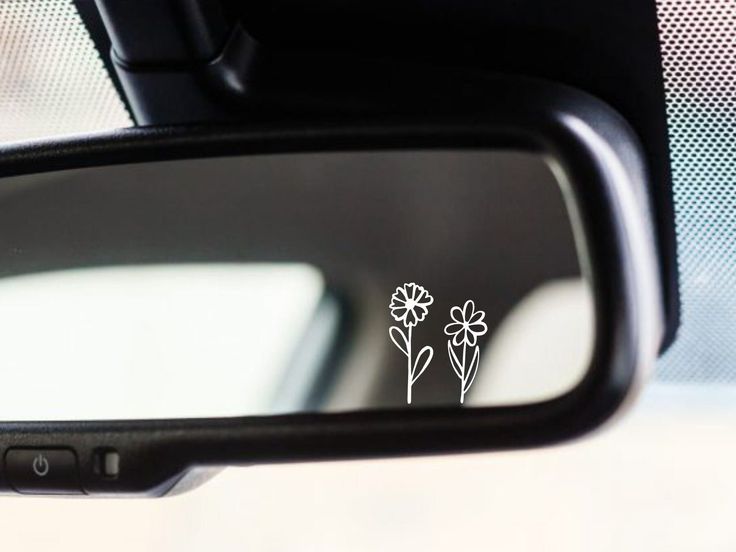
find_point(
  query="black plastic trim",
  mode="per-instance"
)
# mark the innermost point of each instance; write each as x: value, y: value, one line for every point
x: 93, y: 23
x: 584, y: 140
x: 366, y: 54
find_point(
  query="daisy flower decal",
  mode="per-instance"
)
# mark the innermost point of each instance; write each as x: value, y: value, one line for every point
x: 409, y: 306
x: 467, y: 324
x: 466, y: 327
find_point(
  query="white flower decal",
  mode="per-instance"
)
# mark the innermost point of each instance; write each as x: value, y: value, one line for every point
x: 409, y: 304
x: 466, y: 326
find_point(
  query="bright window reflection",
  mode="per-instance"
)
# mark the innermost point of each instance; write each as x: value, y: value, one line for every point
x: 151, y: 342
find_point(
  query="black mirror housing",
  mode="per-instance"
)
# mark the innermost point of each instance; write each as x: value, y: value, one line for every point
x: 591, y: 149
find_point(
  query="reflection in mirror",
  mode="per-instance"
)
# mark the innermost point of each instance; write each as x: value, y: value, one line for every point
x: 540, y: 347
x: 155, y: 341
x: 289, y: 282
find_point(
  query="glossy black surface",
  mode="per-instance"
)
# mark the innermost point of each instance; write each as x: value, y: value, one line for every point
x: 42, y: 471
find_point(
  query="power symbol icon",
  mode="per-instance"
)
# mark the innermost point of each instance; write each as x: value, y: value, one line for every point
x: 40, y: 465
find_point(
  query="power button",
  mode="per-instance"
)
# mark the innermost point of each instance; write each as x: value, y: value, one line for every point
x: 43, y: 471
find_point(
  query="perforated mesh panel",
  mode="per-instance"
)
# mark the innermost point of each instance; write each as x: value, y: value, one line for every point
x: 698, y: 39
x: 52, y: 80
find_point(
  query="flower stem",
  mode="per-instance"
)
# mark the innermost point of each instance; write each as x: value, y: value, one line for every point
x: 462, y: 379
x: 408, y: 368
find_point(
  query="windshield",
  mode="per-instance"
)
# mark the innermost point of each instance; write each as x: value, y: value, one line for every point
x: 660, y: 480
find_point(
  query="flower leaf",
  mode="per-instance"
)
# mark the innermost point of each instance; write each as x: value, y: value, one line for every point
x: 429, y: 353
x: 399, y: 339
x: 473, y: 370
x: 454, y: 362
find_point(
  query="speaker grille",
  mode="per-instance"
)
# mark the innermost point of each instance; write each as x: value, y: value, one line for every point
x: 698, y: 41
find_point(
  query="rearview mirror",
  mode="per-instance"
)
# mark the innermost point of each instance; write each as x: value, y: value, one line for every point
x: 320, y: 292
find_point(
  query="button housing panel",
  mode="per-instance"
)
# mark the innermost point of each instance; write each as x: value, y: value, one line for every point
x: 43, y: 471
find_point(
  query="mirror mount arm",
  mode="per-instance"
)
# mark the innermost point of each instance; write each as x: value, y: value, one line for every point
x: 177, y: 61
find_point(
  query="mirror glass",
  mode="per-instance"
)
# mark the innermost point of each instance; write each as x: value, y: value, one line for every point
x: 268, y: 284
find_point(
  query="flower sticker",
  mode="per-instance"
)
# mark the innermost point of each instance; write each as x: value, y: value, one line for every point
x: 466, y: 327
x: 467, y: 324
x: 409, y: 306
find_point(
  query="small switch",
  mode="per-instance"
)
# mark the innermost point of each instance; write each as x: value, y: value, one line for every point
x: 106, y: 462
x: 110, y: 463
x: 43, y: 471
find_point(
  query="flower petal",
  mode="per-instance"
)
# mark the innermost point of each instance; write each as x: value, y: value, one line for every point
x: 420, y: 312
x: 456, y: 314
x: 470, y: 338
x: 468, y: 310
x: 453, y: 327
x: 397, y: 303
x: 478, y: 316
x: 399, y: 313
x: 479, y: 328
x: 423, y: 297
x: 399, y: 295
x: 459, y: 338
x: 411, y: 318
